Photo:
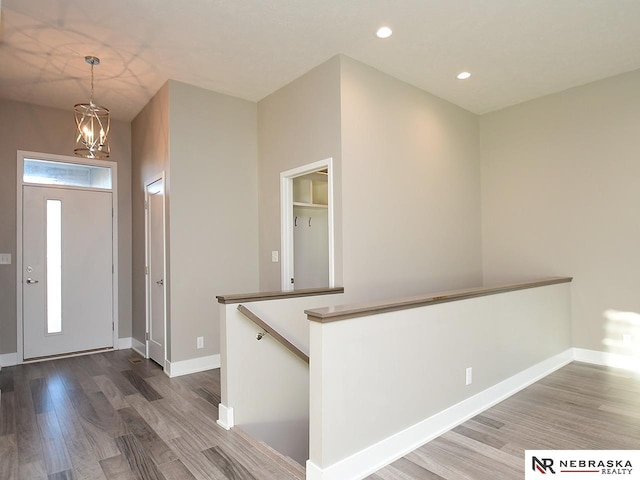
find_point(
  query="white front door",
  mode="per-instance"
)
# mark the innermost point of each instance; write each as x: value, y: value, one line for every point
x: 67, y: 272
x: 155, y: 278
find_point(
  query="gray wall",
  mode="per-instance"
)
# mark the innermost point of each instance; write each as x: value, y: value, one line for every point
x: 206, y: 143
x: 411, y: 196
x: 407, y: 169
x: 214, y: 211
x: 297, y: 125
x: 48, y: 130
x: 150, y: 157
x: 560, y: 196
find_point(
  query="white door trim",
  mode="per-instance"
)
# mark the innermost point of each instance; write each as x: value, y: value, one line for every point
x: 286, y: 220
x: 146, y: 262
x: 21, y: 155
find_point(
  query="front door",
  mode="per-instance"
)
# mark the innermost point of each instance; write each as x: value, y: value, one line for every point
x: 67, y: 270
x: 155, y: 278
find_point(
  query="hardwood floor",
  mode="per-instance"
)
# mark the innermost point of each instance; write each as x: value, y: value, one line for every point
x: 578, y: 407
x: 116, y: 416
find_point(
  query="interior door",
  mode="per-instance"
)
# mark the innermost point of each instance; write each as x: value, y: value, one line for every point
x: 156, y: 280
x: 67, y: 271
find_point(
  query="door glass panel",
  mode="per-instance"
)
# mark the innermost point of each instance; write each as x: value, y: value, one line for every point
x: 70, y: 174
x: 54, y: 266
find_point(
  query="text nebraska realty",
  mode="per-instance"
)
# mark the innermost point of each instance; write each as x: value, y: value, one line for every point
x: 606, y: 467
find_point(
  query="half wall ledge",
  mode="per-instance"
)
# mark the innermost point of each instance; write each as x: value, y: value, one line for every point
x: 262, y: 296
x: 344, y: 312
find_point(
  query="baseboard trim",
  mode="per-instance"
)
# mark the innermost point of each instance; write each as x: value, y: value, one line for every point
x: 194, y: 365
x: 607, y: 359
x: 313, y: 471
x: 9, y: 359
x: 225, y: 417
x: 139, y: 347
x: 372, y: 458
x: 124, y: 343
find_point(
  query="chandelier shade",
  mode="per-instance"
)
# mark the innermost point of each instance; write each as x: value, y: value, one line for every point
x: 92, y: 125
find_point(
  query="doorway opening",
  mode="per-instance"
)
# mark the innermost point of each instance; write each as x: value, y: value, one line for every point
x: 307, y: 238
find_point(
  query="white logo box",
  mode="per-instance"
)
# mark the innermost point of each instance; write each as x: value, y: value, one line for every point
x: 581, y: 464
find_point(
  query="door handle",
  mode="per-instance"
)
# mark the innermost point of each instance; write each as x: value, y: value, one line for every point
x: 160, y: 282
x: 31, y: 281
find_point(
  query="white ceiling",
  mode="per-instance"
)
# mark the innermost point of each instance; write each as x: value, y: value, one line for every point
x: 516, y: 49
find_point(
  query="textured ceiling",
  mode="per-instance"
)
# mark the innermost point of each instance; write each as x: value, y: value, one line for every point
x: 516, y: 49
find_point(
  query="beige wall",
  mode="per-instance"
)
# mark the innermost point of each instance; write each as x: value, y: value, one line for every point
x: 411, y: 188
x: 297, y: 125
x: 47, y: 130
x: 214, y: 211
x: 560, y: 196
x: 150, y: 158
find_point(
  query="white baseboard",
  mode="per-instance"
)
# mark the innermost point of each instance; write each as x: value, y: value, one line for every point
x: 313, y: 472
x: 138, y: 346
x: 225, y: 417
x: 372, y: 458
x: 606, y: 359
x: 185, y: 367
x: 124, y: 343
x: 8, y: 359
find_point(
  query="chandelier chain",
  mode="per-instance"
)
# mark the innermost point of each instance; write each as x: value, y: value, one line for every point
x: 92, y: 82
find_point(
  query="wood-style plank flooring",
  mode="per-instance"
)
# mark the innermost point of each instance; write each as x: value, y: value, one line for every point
x: 578, y: 407
x: 117, y: 416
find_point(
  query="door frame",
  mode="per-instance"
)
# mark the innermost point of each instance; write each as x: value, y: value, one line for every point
x: 147, y: 282
x: 286, y: 220
x: 21, y: 155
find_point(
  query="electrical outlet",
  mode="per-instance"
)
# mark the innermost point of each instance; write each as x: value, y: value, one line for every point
x: 469, y: 376
x: 274, y: 256
x: 626, y: 339
x: 200, y: 342
x: 5, y: 259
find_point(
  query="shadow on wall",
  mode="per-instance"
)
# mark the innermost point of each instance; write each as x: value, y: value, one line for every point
x: 289, y: 437
x: 622, y: 334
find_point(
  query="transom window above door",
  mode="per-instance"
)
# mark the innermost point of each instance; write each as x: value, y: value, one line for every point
x: 45, y: 172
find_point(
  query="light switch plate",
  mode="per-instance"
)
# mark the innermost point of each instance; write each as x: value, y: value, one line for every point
x: 274, y: 256
x: 5, y: 259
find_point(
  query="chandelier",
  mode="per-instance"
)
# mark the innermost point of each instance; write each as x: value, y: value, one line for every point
x: 92, y: 124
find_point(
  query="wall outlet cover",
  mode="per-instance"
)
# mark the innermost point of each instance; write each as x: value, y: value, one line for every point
x: 469, y: 376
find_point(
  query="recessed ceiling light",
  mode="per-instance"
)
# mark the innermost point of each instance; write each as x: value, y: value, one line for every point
x: 384, y: 32
x: 463, y: 75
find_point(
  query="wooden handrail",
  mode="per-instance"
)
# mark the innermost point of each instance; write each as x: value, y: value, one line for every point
x: 262, y: 296
x: 345, y: 312
x: 273, y: 332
